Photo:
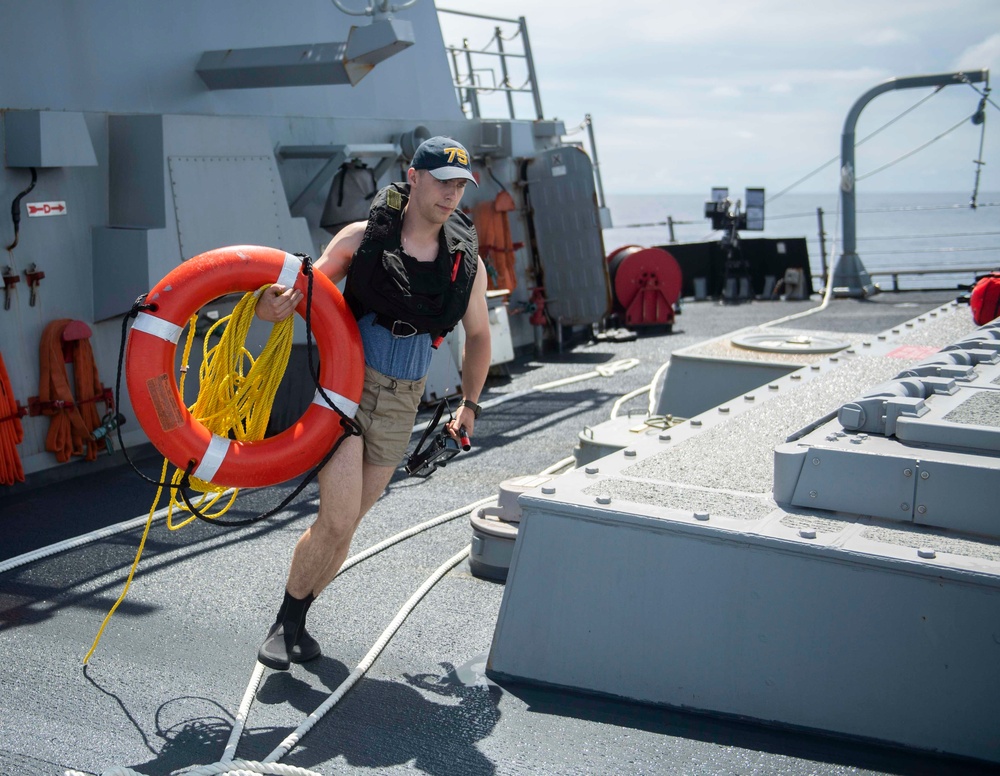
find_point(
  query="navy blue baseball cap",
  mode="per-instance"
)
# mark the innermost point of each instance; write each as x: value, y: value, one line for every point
x: 444, y: 158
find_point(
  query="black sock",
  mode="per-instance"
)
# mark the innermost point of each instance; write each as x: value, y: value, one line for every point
x: 294, y: 609
x: 305, y: 610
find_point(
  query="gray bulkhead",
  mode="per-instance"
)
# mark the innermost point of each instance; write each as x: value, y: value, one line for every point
x: 156, y: 164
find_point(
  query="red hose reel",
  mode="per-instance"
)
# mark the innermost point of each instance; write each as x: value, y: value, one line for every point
x: 647, y: 284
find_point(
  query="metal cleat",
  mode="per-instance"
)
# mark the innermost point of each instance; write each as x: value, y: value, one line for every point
x: 34, y: 276
x: 977, y: 344
x: 109, y: 423
x: 10, y: 279
x: 966, y: 374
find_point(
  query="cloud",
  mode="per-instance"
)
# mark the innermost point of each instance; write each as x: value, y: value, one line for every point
x: 746, y: 79
x: 757, y: 89
x: 885, y: 37
x: 982, y: 55
x: 725, y: 90
x: 779, y: 22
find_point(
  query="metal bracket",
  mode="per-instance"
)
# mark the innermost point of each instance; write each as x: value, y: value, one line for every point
x: 10, y: 279
x: 34, y: 277
x: 307, y: 64
x: 877, y: 411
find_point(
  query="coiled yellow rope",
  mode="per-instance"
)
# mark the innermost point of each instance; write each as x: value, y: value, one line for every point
x: 235, y: 392
x: 235, y: 397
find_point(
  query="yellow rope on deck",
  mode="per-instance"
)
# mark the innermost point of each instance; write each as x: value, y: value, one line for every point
x: 235, y: 397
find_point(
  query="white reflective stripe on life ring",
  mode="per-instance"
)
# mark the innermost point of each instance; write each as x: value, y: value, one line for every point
x: 165, y: 330
x: 289, y: 271
x: 342, y: 403
x: 212, y: 459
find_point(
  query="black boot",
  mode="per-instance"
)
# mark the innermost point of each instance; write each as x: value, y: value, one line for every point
x: 277, y: 649
x: 305, y: 647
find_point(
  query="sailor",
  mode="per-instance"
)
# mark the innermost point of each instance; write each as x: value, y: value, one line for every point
x: 413, y: 272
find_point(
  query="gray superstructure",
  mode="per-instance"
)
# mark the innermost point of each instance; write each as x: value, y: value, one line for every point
x: 159, y: 131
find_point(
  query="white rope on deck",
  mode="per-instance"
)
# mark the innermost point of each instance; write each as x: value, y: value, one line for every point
x: 377, y: 548
x: 228, y: 766
x: 244, y: 711
x: 366, y: 663
x: 251, y: 691
x: 233, y: 768
x: 604, y: 370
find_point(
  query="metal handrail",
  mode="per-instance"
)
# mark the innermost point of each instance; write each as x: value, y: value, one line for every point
x: 895, y: 273
x: 477, y: 15
x: 500, y: 54
x: 466, y: 84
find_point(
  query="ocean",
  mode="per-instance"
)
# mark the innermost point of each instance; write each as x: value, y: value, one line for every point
x: 894, y: 231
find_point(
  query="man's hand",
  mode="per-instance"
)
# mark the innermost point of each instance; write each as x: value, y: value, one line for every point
x: 463, y: 423
x: 277, y: 302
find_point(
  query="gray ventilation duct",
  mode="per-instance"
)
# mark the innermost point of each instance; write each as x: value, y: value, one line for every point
x: 309, y: 64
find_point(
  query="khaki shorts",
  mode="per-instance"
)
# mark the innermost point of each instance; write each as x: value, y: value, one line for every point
x: 386, y: 414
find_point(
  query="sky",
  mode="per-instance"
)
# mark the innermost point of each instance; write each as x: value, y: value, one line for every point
x: 687, y: 95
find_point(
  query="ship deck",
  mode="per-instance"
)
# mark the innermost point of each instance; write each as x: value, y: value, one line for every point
x: 161, y: 692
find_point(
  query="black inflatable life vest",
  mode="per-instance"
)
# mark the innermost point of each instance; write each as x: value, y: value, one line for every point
x: 377, y: 279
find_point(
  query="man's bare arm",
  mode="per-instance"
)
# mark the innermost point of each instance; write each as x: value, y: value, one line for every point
x: 477, y: 355
x: 278, y: 302
x: 338, y: 254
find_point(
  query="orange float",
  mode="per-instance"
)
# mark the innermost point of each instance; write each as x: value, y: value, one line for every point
x: 156, y: 401
x: 985, y: 299
x: 496, y: 246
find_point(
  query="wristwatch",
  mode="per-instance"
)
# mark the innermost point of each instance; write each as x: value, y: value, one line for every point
x: 476, y: 409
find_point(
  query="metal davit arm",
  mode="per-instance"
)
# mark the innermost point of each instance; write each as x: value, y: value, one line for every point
x: 850, y: 278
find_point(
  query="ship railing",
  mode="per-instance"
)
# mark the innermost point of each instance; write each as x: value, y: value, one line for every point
x: 472, y: 81
x: 470, y: 78
x: 920, y: 270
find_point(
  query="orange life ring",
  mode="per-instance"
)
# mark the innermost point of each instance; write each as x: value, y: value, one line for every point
x: 156, y: 401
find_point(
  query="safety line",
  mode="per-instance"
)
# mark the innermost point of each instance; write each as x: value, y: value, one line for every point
x: 369, y: 659
x: 605, y: 370
x: 80, y: 541
x: 240, y: 721
x: 350, y: 562
x: 269, y: 765
x: 377, y: 548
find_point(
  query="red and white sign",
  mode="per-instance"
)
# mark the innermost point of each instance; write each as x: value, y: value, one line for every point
x: 38, y: 209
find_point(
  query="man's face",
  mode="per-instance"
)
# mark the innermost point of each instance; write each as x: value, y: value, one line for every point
x: 435, y: 200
